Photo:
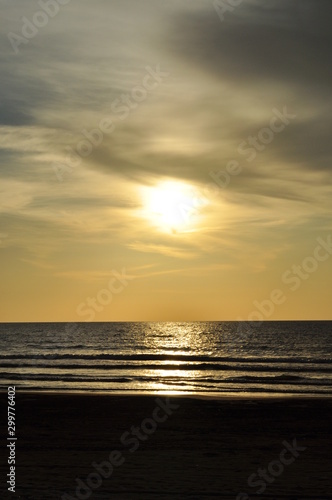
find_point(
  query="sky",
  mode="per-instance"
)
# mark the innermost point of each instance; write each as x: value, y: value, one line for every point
x: 165, y: 160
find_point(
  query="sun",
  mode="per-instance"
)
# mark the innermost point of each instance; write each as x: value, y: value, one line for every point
x: 172, y: 206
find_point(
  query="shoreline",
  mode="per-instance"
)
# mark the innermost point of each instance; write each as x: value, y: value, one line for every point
x: 200, y: 396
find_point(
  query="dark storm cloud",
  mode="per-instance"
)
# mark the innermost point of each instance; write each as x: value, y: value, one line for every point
x: 23, y: 93
x: 255, y: 44
x: 17, y: 98
x: 308, y: 143
x: 11, y: 113
x: 279, y: 47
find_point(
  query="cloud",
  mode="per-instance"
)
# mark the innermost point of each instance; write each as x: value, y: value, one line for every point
x: 275, y: 41
x: 274, y: 54
x: 225, y: 79
x: 168, y: 250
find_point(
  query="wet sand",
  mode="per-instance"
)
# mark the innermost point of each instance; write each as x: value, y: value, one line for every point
x: 151, y: 447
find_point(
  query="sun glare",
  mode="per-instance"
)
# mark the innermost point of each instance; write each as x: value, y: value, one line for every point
x: 172, y: 206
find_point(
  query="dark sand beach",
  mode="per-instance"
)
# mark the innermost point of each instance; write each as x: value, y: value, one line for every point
x: 186, y: 448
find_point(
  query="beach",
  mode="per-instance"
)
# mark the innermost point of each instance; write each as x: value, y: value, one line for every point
x: 158, y: 447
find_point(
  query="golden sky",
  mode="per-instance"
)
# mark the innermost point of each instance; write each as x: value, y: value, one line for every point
x: 165, y: 160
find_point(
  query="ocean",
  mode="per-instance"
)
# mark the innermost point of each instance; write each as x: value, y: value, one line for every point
x: 206, y: 358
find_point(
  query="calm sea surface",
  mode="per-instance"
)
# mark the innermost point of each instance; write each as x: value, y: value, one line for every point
x: 202, y: 357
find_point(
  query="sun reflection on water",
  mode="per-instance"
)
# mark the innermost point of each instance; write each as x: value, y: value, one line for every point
x: 170, y: 340
x: 176, y: 338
